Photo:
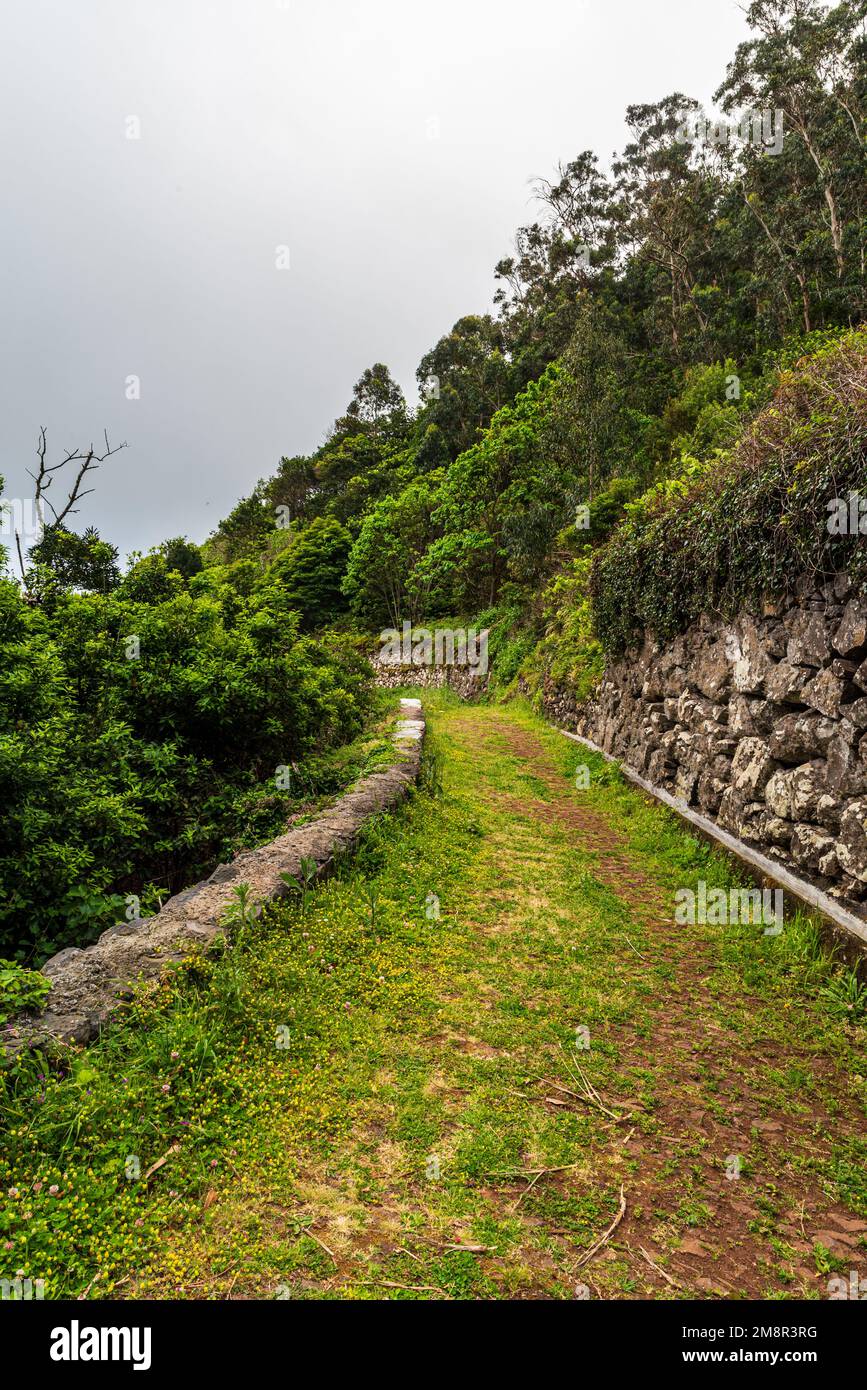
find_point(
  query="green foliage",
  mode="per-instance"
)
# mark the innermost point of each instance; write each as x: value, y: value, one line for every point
x: 139, y: 734
x: 726, y: 535
x: 511, y: 639
x: 311, y: 570
x: 392, y: 539
x: 181, y: 555
x: 797, y: 346
x: 498, y: 508
x: 247, y: 529
x: 608, y: 507
x: 569, y: 654
x: 464, y: 380
x: 150, y: 579
x: 20, y: 988
x: 596, y: 430
x: 65, y: 560
x: 377, y: 403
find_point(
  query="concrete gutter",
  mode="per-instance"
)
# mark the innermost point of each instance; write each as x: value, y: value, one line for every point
x: 851, y: 930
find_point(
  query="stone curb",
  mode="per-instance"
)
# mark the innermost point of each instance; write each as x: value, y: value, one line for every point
x: 88, y: 983
x: 850, y: 929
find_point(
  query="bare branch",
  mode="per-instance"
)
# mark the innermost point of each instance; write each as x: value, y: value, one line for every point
x: 20, y: 556
x: 87, y: 462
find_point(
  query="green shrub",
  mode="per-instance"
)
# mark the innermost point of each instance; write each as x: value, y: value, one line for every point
x: 569, y: 654
x: 311, y: 571
x: 20, y: 988
x: 140, y: 737
x: 733, y: 530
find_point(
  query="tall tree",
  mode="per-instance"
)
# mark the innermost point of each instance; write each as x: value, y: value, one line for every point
x: 807, y: 62
x: 377, y: 404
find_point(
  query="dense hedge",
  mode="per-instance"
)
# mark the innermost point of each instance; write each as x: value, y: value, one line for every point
x: 752, y: 522
x: 127, y: 774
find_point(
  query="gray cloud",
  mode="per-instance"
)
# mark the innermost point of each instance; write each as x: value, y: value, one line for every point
x: 388, y: 144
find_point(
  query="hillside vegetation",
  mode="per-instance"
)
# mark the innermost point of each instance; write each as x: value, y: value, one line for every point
x: 486, y: 1058
x: 668, y: 389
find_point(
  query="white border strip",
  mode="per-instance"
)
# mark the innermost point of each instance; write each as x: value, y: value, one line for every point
x: 798, y: 887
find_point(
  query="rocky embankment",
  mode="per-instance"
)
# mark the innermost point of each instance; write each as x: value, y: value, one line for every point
x: 760, y: 724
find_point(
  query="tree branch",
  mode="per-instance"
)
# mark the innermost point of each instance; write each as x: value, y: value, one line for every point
x: 88, y: 462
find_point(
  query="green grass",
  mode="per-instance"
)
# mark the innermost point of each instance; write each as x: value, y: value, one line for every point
x: 353, y: 1087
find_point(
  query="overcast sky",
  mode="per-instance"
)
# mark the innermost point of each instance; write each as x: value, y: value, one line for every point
x: 388, y: 144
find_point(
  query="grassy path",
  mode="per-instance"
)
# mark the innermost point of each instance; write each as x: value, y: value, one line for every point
x: 371, y: 1100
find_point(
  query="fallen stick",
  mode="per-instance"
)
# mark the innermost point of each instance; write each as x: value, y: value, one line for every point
x: 454, y: 1245
x: 634, y: 948
x: 412, y: 1288
x: 160, y: 1161
x: 603, y: 1239
x: 590, y: 1094
x: 528, y: 1172
x: 591, y: 1097
x: 659, y: 1270
x: 313, y: 1236
x: 528, y: 1188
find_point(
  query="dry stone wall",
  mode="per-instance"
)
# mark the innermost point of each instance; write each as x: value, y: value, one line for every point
x: 88, y: 983
x: 760, y: 724
x: 466, y: 681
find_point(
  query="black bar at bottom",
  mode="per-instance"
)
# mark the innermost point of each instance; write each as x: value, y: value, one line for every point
x: 85, y: 1340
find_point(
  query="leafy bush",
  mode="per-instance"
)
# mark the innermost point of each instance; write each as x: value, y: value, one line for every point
x: 745, y: 526
x: 20, y: 988
x: 139, y: 735
x: 392, y: 539
x: 510, y: 641
x: 311, y: 571
x: 569, y: 654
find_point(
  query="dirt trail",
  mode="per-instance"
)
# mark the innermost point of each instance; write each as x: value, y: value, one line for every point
x: 477, y: 1147
x: 731, y: 1258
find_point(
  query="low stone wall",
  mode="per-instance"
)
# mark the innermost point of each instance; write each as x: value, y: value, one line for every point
x: 465, y: 681
x: 761, y: 724
x: 88, y: 983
